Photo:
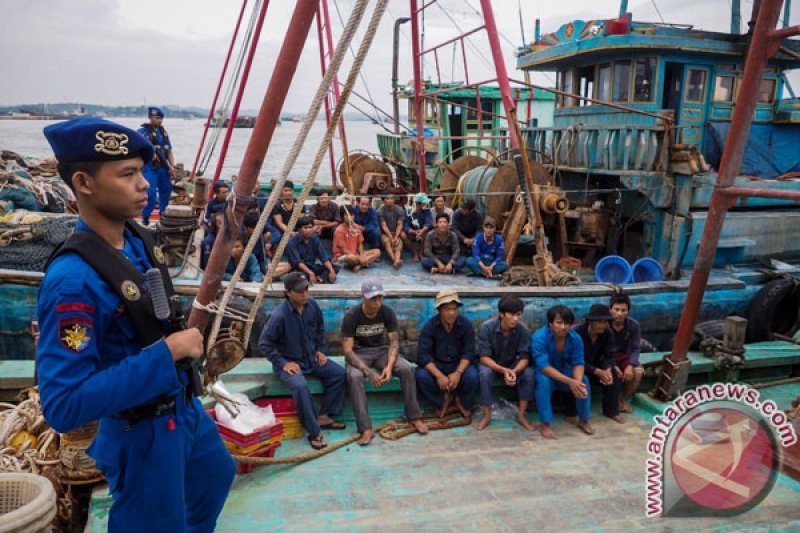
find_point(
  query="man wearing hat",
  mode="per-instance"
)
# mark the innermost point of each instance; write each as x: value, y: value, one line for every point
x: 371, y: 346
x: 488, y: 252
x: 294, y: 342
x: 598, y: 359
x: 103, y: 355
x: 159, y: 170
x: 445, y: 352
x: 417, y: 225
x: 467, y: 223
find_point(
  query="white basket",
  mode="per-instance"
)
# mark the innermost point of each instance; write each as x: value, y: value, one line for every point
x: 27, y: 503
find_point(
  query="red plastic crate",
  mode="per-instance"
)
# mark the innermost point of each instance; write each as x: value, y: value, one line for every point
x: 268, y: 451
x: 241, y: 440
x: 280, y: 406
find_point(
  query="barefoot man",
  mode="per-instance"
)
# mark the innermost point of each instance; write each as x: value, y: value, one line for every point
x: 558, y: 354
x: 626, y: 346
x: 369, y: 356
x: 504, y: 348
x: 445, y: 353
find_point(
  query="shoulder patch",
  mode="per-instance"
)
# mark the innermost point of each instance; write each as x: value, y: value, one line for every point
x: 75, y: 333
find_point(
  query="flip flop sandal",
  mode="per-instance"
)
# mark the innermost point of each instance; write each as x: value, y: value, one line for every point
x: 334, y: 425
x: 317, y: 443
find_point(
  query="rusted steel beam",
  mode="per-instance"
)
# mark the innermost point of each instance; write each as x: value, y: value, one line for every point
x: 757, y: 56
x: 266, y: 122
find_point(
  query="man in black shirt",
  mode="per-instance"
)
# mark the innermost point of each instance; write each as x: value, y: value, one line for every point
x: 598, y: 360
x: 282, y: 212
x: 467, y: 222
x: 365, y: 329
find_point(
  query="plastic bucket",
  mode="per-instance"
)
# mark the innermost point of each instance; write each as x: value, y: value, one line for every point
x: 647, y: 269
x: 613, y: 269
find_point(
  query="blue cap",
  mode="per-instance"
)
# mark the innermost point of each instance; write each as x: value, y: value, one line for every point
x: 96, y: 139
x: 155, y: 111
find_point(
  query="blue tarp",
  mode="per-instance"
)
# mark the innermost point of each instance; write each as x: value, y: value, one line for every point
x: 771, y: 149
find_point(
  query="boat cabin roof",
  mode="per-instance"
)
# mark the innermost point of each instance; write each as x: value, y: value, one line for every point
x: 456, y: 91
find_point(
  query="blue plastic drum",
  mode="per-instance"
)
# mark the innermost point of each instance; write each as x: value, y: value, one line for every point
x: 613, y: 269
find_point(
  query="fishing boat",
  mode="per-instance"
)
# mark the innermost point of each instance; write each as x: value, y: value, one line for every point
x: 645, y: 191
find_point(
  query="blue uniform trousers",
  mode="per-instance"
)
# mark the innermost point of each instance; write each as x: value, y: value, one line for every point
x: 466, y: 390
x: 488, y: 376
x: 545, y: 387
x: 473, y: 264
x: 160, y: 188
x: 372, y: 238
x: 333, y: 378
x: 458, y: 264
x: 188, y: 464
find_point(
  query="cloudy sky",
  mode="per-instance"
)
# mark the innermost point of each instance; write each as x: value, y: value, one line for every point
x: 130, y: 52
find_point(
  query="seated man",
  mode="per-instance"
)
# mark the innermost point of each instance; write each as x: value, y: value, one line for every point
x: 417, y: 225
x: 251, y: 272
x: 440, y: 207
x: 306, y: 254
x: 282, y: 211
x: 445, y: 352
x: 217, y: 203
x: 293, y: 340
x: 626, y: 346
x: 488, y: 252
x: 467, y: 223
x: 326, y: 215
x: 391, y: 217
x: 365, y: 218
x: 442, y: 253
x: 598, y: 361
x: 504, y: 348
x: 211, y: 235
x: 348, y: 248
x: 365, y: 329
x: 558, y: 354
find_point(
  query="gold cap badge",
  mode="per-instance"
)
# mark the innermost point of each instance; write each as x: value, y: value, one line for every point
x: 111, y: 143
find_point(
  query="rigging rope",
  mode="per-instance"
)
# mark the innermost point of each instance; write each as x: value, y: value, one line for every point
x: 322, y: 91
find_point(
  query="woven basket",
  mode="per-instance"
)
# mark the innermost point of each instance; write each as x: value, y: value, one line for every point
x: 27, y: 503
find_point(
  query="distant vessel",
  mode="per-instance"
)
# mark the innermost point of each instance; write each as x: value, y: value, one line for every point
x: 246, y: 121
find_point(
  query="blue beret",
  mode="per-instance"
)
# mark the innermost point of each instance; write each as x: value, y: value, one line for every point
x: 96, y: 139
x: 157, y: 111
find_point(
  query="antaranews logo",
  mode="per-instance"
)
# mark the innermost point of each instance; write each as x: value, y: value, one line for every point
x: 715, y: 451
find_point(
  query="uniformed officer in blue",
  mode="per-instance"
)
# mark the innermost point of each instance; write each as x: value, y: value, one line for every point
x: 103, y: 355
x: 159, y: 171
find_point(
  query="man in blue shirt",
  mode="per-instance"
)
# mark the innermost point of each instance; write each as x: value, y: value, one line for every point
x: 307, y: 255
x: 417, y: 225
x: 365, y: 218
x: 294, y: 342
x: 217, y: 202
x: 488, y: 252
x: 558, y: 355
x: 251, y: 272
x: 445, y: 352
x: 159, y: 170
x: 504, y: 348
x: 104, y: 355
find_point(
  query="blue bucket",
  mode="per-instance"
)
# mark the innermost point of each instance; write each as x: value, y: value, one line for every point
x: 647, y: 269
x: 613, y: 269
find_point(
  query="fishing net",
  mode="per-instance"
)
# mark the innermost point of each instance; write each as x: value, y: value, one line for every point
x: 28, y: 246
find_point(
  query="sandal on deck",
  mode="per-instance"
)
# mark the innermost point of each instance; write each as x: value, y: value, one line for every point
x: 317, y: 442
x: 333, y: 425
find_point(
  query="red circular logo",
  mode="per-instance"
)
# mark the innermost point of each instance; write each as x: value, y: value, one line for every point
x: 723, y: 459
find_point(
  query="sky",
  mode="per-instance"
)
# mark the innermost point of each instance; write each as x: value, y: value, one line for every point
x: 171, y: 52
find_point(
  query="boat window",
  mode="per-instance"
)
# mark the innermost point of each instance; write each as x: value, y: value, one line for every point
x: 643, y: 80
x: 586, y: 84
x: 766, y: 92
x: 604, y: 82
x: 696, y: 85
x: 622, y: 80
x: 568, y: 86
x: 431, y: 112
x: 727, y: 67
x: 724, y: 89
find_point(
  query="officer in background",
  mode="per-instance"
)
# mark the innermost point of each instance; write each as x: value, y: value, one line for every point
x: 159, y: 170
x: 103, y: 355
